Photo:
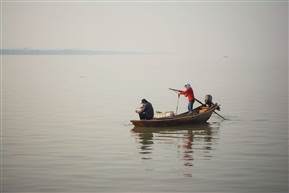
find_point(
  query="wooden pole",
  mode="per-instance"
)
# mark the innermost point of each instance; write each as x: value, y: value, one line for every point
x: 177, y: 104
x: 214, y: 111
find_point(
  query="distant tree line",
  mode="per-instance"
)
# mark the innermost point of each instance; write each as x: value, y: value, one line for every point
x: 27, y: 51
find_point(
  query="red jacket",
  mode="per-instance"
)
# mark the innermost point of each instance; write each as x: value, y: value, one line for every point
x: 189, y: 93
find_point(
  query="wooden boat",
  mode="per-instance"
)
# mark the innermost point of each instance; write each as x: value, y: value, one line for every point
x: 200, y: 128
x: 199, y: 115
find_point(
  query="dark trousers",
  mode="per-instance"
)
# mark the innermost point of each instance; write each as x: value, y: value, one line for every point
x: 143, y: 116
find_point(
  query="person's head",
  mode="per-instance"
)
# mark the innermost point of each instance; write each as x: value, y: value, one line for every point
x: 143, y: 101
x: 187, y: 85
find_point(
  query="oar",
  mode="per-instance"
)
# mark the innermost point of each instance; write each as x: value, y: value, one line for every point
x: 213, y: 111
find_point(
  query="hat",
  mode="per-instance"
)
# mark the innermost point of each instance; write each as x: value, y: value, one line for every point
x: 188, y: 85
x: 143, y: 101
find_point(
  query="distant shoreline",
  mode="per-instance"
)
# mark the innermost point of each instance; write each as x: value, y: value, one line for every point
x: 72, y: 52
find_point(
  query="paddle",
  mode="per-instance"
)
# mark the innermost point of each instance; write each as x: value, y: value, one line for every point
x: 199, y: 102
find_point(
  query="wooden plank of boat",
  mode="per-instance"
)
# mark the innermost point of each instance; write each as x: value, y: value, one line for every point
x: 199, y: 115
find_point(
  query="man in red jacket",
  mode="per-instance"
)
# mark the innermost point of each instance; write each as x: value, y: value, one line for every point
x: 190, y: 94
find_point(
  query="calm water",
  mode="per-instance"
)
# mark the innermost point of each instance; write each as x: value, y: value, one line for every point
x: 65, y: 125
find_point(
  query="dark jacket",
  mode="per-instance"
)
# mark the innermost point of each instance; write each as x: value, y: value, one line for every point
x: 147, y: 109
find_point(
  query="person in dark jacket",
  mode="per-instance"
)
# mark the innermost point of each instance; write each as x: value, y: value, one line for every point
x: 146, y: 112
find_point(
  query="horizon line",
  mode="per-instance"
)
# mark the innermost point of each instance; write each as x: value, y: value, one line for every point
x: 66, y: 51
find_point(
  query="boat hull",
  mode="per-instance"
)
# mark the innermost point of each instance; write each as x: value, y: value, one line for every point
x: 183, y: 119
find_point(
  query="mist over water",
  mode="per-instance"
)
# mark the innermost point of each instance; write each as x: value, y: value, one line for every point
x: 65, y: 125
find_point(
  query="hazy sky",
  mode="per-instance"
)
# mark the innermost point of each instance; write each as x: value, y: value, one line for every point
x: 223, y: 27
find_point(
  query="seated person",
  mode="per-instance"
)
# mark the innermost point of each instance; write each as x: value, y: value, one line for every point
x: 146, y: 112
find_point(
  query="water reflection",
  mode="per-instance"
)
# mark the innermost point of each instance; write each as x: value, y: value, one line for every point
x: 188, y: 143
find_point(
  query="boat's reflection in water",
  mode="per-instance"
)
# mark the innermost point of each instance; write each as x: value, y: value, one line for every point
x: 189, y: 143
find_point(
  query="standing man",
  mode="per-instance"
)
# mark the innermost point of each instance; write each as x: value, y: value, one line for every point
x: 190, y: 94
x: 146, y: 112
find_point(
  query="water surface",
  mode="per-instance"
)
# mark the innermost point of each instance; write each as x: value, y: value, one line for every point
x: 66, y: 125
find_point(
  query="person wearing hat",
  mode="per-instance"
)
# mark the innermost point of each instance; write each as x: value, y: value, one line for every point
x: 190, y: 94
x: 146, y: 112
